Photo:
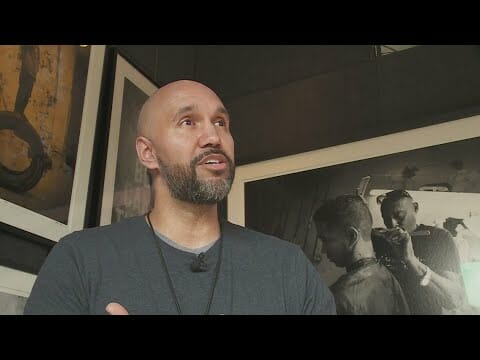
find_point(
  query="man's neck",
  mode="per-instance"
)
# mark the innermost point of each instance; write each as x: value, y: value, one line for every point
x: 189, y: 225
x: 361, y: 263
x: 363, y: 250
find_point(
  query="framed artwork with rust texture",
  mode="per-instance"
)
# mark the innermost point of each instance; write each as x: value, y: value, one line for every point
x: 49, y: 96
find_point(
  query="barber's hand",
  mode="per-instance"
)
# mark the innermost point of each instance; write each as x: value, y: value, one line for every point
x: 402, y: 244
x: 116, y: 309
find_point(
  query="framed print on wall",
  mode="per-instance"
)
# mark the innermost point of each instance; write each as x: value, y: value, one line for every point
x: 48, y: 113
x: 438, y: 165
x: 126, y: 190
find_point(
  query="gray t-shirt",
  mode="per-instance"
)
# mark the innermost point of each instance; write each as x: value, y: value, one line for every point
x: 172, y: 243
x: 259, y: 274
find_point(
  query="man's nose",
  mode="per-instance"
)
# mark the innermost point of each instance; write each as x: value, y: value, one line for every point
x: 209, y: 136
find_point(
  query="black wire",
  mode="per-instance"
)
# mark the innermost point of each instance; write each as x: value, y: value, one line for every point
x: 170, y: 282
x: 217, y: 273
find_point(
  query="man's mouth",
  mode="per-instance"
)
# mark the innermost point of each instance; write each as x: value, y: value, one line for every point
x: 214, y: 162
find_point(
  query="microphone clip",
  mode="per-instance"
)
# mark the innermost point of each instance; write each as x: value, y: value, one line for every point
x: 199, y: 264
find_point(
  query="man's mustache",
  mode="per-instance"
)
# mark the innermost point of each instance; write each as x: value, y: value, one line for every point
x: 197, y: 159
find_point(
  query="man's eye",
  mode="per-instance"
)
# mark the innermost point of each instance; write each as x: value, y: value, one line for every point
x: 187, y: 122
x: 220, y: 122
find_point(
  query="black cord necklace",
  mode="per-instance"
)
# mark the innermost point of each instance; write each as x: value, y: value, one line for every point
x: 362, y: 262
x: 170, y: 282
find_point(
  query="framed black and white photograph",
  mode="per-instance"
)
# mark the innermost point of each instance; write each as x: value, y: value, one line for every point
x: 49, y: 97
x: 126, y: 190
x: 437, y: 165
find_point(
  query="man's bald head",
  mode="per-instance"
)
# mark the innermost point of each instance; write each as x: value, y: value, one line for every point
x: 162, y: 100
x: 184, y: 136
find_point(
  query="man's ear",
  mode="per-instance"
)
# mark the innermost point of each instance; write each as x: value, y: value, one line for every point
x: 415, y: 206
x: 146, y: 152
x: 353, y: 235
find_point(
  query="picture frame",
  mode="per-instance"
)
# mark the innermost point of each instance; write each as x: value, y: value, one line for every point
x: 16, y: 282
x: 126, y: 190
x: 15, y: 288
x: 62, y: 90
x: 442, y: 133
x: 436, y: 164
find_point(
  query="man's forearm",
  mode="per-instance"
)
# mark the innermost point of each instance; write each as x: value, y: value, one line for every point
x: 447, y: 288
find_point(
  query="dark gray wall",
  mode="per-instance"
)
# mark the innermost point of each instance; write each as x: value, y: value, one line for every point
x: 290, y: 99
x: 237, y: 71
x: 417, y: 87
x: 163, y: 63
x: 22, y: 251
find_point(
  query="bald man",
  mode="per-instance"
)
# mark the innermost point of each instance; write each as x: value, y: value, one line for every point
x: 180, y: 258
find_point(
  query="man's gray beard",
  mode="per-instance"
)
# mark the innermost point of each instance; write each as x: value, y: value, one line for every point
x: 184, y: 184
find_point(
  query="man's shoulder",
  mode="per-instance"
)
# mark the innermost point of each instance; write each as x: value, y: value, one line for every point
x: 436, y: 233
x: 371, y: 274
x: 347, y: 282
x: 119, y: 232
x: 343, y: 289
